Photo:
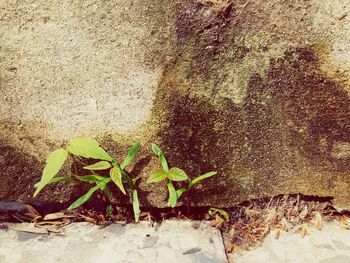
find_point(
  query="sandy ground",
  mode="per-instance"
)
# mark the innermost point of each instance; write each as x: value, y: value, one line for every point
x: 172, y: 241
x: 331, y: 245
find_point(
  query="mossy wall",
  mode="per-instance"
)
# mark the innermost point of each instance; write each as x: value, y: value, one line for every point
x: 256, y: 90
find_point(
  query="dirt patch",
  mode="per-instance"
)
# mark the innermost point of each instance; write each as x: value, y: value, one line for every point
x: 284, y: 135
x: 19, y: 174
x: 315, y: 109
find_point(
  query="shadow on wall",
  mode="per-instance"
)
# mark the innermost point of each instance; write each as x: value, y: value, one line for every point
x: 317, y: 109
x: 200, y: 137
x: 19, y: 172
x: 290, y: 121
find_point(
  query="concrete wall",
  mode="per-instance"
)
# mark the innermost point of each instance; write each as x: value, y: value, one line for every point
x: 257, y: 90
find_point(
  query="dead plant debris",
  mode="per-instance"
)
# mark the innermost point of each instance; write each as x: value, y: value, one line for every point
x: 248, y: 225
x: 252, y: 221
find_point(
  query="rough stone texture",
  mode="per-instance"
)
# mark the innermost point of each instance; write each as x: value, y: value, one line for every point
x: 257, y: 90
x: 75, y: 69
x: 172, y: 241
x: 330, y: 245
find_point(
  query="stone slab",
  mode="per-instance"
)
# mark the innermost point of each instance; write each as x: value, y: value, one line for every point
x: 255, y: 90
x: 331, y: 245
x: 171, y: 241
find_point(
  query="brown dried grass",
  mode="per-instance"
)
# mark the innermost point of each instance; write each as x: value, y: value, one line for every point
x: 252, y: 222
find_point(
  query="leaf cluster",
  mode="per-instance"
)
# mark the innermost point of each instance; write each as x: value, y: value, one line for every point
x: 88, y: 148
x: 171, y: 175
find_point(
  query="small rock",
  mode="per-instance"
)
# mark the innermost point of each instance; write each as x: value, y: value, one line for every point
x: 191, y: 251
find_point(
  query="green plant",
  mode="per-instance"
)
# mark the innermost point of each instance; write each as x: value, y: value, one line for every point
x: 223, y: 213
x: 90, y: 149
x: 173, y: 175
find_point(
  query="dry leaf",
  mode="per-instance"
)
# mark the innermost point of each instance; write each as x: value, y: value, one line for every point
x: 270, y: 216
x: 277, y: 233
x: 218, y: 222
x: 303, y: 213
x: 232, y: 232
x: 48, y: 223
x: 66, y: 221
x: 303, y: 230
x: 88, y: 219
x: 230, y: 247
x: 54, y: 228
x: 32, y: 213
x: 284, y: 224
x: 252, y: 213
x: 56, y: 216
x: 344, y: 222
x: 29, y: 227
x: 318, y: 221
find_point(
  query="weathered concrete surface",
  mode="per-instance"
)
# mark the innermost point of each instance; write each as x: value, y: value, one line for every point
x: 172, y: 241
x: 72, y: 69
x: 257, y: 90
x: 327, y: 246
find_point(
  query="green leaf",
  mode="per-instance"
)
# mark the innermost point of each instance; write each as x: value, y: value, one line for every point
x: 101, y: 165
x: 172, y: 195
x: 86, y: 196
x: 134, y: 180
x: 131, y: 155
x: 135, y: 204
x: 200, y: 178
x: 161, y: 156
x: 88, y: 148
x: 93, y: 178
x: 156, y: 149
x: 126, y: 177
x: 157, y: 176
x: 179, y: 192
x: 223, y: 213
x: 176, y: 174
x: 164, y: 163
x: 116, y: 175
x: 57, y: 180
x: 115, y: 163
x: 53, y: 165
